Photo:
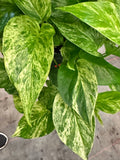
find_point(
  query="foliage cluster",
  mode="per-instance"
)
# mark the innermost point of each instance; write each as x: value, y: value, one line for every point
x: 60, y: 39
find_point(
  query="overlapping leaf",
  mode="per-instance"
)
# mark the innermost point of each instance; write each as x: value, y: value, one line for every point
x: 28, y: 52
x: 79, y: 88
x: 108, y: 102
x: 41, y: 115
x: 103, y: 16
x: 71, y: 128
x: 7, y: 11
x: 38, y: 9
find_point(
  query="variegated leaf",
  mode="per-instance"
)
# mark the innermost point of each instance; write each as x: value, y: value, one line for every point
x: 41, y: 115
x: 115, y: 87
x: 7, y: 11
x: 71, y: 128
x: 106, y: 73
x: 28, y: 53
x: 108, y: 102
x: 78, y: 32
x: 38, y: 9
x: 103, y: 16
x: 79, y: 88
x: 41, y: 123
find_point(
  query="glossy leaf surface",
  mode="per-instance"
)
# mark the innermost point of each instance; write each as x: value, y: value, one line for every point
x: 28, y: 52
x: 108, y: 102
x: 7, y: 11
x: 103, y: 16
x: 79, y: 88
x: 38, y: 9
x: 71, y: 128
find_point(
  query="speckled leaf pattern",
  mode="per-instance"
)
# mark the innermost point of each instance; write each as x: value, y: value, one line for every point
x: 108, y: 102
x: 78, y: 32
x: 41, y: 121
x: 41, y: 115
x: 38, y: 9
x: 71, y: 128
x: 79, y: 88
x: 28, y: 53
x: 7, y: 11
x: 103, y: 16
x: 106, y: 73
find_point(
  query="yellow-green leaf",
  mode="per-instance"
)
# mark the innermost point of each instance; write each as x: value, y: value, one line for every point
x: 28, y: 53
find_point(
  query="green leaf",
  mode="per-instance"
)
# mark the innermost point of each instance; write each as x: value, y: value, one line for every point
x: 79, y: 88
x: 106, y: 73
x: 108, y: 102
x: 41, y: 121
x: 4, y: 79
x: 102, y: 16
x: 38, y: 9
x: 114, y: 1
x: 9, y: 1
x: 98, y: 116
x: 28, y: 53
x: 41, y: 115
x: 18, y: 104
x: 111, y: 48
x: 115, y: 87
x: 78, y: 32
x: 71, y: 128
x: 7, y: 11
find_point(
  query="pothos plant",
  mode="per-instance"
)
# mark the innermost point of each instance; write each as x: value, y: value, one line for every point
x: 59, y: 40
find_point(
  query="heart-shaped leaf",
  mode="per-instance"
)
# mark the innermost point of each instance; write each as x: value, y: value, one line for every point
x: 28, y: 53
x: 71, y: 128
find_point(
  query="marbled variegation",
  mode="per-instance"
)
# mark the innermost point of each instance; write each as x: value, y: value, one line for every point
x: 71, y: 128
x: 102, y: 16
x: 78, y: 32
x: 38, y: 9
x: 79, y: 88
x: 41, y: 115
x: 41, y: 121
x: 108, y: 102
x: 28, y: 53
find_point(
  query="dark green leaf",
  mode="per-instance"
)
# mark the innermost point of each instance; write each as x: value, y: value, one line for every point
x: 28, y: 52
x: 78, y: 32
x: 108, y: 102
x: 79, y: 88
x: 106, y: 73
x: 103, y: 16
x: 4, y: 80
x: 38, y: 9
x: 98, y: 116
x: 111, y: 48
x: 71, y: 128
x: 7, y: 11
